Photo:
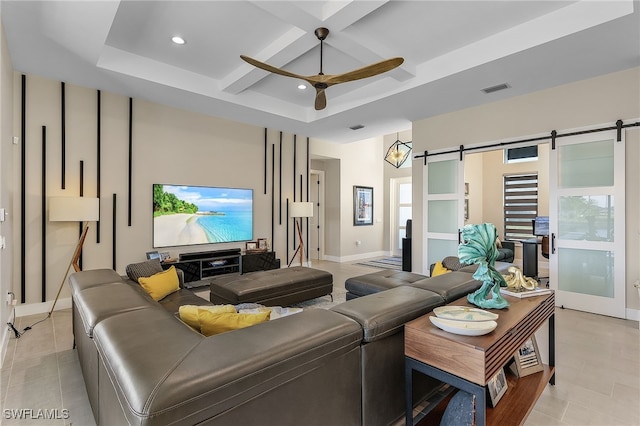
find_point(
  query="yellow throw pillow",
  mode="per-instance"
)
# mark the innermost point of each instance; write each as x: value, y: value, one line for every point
x: 216, y: 323
x: 161, y: 284
x: 439, y: 269
x: 189, y: 313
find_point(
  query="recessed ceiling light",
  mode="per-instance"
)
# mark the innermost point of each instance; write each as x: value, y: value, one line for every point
x: 357, y: 127
x: 178, y: 40
x: 302, y: 86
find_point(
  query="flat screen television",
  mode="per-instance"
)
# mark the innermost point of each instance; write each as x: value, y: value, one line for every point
x: 541, y: 226
x: 190, y: 215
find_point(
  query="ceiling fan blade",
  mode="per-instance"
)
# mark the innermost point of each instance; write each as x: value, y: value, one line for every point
x: 364, y: 72
x: 271, y: 68
x: 321, y: 99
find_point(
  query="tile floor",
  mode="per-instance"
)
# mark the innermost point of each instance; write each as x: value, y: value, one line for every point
x: 597, y: 374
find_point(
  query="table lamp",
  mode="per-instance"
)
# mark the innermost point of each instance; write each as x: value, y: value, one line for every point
x: 73, y: 209
x: 300, y: 210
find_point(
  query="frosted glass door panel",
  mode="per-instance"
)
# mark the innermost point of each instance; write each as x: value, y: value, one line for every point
x: 443, y: 216
x: 586, y: 165
x: 439, y: 249
x: 586, y: 272
x: 589, y: 217
x: 443, y: 177
x: 404, y: 213
x: 404, y: 193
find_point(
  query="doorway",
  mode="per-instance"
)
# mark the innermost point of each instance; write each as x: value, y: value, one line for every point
x: 316, y: 223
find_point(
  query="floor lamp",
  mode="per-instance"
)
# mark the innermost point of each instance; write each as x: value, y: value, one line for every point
x: 73, y: 209
x: 300, y: 210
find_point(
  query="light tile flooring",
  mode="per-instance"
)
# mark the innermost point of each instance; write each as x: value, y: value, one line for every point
x: 597, y: 373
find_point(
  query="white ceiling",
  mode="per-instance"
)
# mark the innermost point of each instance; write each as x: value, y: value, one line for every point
x: 452, y: 50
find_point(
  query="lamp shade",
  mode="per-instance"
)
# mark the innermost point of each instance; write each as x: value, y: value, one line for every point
x: 74, y: 209
x: 300, y: 209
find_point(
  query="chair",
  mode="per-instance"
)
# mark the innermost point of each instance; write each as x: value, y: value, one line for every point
x: 544, y: 250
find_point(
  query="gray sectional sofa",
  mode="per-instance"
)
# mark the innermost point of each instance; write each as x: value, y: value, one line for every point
x: 343, y: 366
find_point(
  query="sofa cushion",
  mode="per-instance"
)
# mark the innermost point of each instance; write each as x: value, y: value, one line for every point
x: 82, y: 280
x: 380, y: 281
x: 100, y: 302
x: 212, y: 323
x: 143, y: 269
x: 382, y: 314
x: 160, y: 284
x: 451, y: 286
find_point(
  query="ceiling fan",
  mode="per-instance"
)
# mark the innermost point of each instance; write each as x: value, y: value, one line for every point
x: 322, y: 81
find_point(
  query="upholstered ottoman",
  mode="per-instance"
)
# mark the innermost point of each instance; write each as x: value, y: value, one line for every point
x: 276, y: 287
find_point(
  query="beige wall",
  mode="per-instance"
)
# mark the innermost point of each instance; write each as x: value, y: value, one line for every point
x: 6, y: 175
x: 170, y: 146
x: 592, y: 102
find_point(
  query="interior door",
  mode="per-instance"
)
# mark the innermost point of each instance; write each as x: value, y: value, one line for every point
x: 443, y: 207
x: 401, y: 211
x: 587, y: 223
x: 316, y: 222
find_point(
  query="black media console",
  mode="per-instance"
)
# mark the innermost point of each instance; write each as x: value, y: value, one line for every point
x: 201, y: 265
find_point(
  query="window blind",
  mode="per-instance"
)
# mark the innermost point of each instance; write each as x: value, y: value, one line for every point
x: 520, y: 205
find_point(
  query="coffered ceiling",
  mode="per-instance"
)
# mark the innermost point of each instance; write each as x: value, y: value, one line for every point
x: 452, y: 50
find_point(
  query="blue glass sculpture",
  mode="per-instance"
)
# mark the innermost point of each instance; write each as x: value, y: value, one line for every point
x: 479, y: 247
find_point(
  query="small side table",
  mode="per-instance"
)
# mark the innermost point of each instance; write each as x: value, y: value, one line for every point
x: 469, y: 362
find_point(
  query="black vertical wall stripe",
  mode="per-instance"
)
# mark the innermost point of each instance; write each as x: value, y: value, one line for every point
x: 273, y: 195
x: 265, y: 160
x: 23, y: 183
x: 308, y: 175
x: 98, y: 149
x: 287, y: 251
x: 63, y: 135
x: 130, y: 156
x: 82, y: 195
x: 295, y: 149
x: 44, y: 214
x: 280, y: 183
x: 113, y: 234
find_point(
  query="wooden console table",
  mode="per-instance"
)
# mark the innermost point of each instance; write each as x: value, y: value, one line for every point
x: 468, y: 362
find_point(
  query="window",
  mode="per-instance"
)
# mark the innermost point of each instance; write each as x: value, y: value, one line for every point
x: 519, y: 155
x: 520, y: 205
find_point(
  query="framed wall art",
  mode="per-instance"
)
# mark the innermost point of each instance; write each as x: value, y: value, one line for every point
x: 362, y: 205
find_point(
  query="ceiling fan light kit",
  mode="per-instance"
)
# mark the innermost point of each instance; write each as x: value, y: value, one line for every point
x: 321, y: 81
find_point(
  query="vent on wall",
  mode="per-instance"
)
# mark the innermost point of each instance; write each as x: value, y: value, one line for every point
x: 496, y: 88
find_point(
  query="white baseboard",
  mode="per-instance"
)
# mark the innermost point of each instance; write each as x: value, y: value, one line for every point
x: 40, y: 308
x: 633, y: 314
x: 356, y: 257
x: 5, y: 344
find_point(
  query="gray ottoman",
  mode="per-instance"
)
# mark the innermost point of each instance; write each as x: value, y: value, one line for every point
x: 276, y: 287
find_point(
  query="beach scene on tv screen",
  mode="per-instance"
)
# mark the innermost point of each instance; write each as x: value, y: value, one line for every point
x: 187, y: 215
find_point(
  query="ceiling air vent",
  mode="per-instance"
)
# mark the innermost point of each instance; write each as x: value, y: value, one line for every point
x: 357, y: 127
x: 495, y: 88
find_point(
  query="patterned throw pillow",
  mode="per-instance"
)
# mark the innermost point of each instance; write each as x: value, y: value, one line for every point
x: 452, y: 263
x: 143, y: 269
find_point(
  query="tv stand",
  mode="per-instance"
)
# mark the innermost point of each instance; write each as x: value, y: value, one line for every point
x: 198, y: 266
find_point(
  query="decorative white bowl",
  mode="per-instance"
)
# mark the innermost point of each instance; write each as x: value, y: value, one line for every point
x: 463, y: 313
x: 466, y: 328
